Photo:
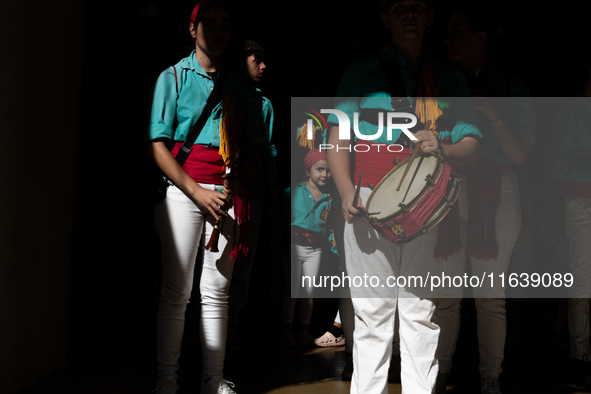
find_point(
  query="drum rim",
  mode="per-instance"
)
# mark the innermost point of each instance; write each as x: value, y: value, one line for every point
x: 437, y: 171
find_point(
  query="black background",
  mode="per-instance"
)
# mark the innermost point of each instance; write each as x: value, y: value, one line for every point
x: 308, y: 45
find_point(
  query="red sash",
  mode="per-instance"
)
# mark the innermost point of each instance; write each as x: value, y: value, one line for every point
x: 204, y: 164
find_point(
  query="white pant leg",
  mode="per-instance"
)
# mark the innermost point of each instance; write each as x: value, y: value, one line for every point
x: 311, y: 260
x: 305, y: 262
x: 216, y: 275
x: 368, y: 253
x: 243, y: 267
x: 180, y: 224
x: 417, y: 316
x: 490, y: 301
x: 578, y: 234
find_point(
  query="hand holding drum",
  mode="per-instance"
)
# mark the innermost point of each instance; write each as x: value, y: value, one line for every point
x: 355, y: 210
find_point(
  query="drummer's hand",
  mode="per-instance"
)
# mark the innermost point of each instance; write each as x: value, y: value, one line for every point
x: 351, y: 213
x: 428, y: 140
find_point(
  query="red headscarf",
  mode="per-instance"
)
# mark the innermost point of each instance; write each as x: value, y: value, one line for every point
x: 313, y: 156
x: 202, y: 4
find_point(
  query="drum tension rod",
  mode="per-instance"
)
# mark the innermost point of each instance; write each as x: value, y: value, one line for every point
x: 404, y: 208
x: 429, y: 180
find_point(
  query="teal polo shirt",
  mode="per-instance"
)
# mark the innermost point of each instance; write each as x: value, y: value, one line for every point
x: 178, y: 100
x: 364, y: 86
x: 571, y: 146
x: 312, y: 215
x: 307, y: 213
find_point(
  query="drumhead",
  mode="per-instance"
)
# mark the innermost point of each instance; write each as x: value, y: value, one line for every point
x: 384, y: 200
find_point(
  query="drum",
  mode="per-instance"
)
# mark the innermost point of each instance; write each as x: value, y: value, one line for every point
x: 431, y: 196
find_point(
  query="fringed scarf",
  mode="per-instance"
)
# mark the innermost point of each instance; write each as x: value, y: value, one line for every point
x: 426, y: 104
x: 427, y: 108
x: 484, y: 195
x: 229, y: 153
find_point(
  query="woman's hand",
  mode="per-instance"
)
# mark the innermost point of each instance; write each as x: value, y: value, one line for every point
x: 214, y: 202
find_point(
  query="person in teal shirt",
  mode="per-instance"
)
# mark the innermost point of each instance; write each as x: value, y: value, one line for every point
x: 310, y: 235
x: 201, y: 191
x: 506, y: 120
x: 571, y: 165
x: 367, y: 88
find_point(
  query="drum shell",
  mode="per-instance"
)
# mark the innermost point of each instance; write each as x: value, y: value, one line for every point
x: 424, y: 211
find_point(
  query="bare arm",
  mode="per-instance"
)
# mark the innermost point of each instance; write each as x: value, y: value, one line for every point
x: 209, y: 199
x: 460, y: 154
x: 513, y: 146
x: 340, y: 168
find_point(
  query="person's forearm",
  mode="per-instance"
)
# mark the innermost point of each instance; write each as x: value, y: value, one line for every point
x: 463, y: 153
x: 513, y: 146
x: 339, y: 163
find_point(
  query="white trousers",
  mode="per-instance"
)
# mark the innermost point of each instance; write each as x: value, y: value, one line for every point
x: 578, y: 233
x: 369, y: 253
x: 490, y: 301
x: 180, y: 224
x: 305, y: 261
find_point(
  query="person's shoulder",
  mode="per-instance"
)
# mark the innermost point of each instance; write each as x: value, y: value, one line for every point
x: 267, y: 105
x: 186, y: 63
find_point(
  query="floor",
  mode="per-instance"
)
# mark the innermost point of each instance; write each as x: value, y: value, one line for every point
x: 261, y: 367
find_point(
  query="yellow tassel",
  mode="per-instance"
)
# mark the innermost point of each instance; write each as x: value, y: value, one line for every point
x: 302, y: 137
x: 228, y: 130
x: 426, y: 105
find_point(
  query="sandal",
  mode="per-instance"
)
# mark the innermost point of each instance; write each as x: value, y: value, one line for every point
x: 329, y: 340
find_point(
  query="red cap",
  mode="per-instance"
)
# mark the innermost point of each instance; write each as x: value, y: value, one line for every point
x: 202, y: 4
x: 313, y: 156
